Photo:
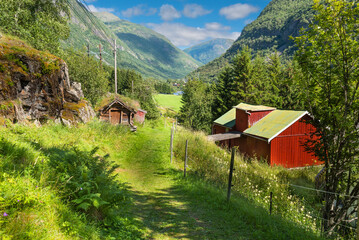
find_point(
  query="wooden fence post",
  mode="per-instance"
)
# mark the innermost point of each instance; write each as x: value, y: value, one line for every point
x: 230, y: 175
x: 171, y: 143
x: 358, y: 219
x: 185, y: 159
x: 270, y: 203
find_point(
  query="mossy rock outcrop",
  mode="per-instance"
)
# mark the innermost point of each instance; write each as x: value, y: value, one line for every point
x: 35, y: 86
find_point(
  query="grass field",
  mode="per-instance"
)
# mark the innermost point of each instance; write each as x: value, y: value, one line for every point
x: 44, y: 168
x: 169, y: 101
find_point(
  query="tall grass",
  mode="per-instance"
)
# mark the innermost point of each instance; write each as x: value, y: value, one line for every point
x: 252, y: 179
x: 58, y: 182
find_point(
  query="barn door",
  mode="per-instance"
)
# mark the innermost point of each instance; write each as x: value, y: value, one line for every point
x: 115, y: 117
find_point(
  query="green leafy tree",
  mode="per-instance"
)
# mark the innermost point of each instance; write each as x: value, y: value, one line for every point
x: 196, y: 109
x: 43, y: 23
x: 329, y: 56
x: 88, y: 72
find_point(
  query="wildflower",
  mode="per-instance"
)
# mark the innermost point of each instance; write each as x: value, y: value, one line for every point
x: 80, y: 188
x: 36, y: 186
x: 5, y: 214
x: 18, y: 200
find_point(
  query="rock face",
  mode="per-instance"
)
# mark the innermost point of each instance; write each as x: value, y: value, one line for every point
x: 35, y: 86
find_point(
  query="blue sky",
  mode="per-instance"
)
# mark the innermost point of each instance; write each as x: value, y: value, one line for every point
x: 186, y: 22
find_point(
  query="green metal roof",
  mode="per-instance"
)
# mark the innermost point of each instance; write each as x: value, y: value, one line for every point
x: 228, y: 119
x: 253, y: 108
x: 274, y: 123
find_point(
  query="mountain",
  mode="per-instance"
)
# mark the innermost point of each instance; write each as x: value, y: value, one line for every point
x: 271, y: 31
x: 139, y: 47
x: 208, y: 51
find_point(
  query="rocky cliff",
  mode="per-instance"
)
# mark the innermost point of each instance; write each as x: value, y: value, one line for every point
x: 35, y: 86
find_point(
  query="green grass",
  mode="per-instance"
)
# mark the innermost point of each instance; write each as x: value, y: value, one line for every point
x: 169, y: 101
x: 155, y: 201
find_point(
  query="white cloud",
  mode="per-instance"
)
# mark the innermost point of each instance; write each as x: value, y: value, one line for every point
x: 140, y: 9
x: 92, y: 8
x: 168, y: 12
x: 194, y: 10
x: 237, y: 11
x: 216, y: 26
x: 184, y: 36
x: 90, y: 1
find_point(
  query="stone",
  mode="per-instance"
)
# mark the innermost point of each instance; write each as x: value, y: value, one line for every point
x: 40, y: 95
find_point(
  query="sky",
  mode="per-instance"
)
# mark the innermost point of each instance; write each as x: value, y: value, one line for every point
x: 186, y: 22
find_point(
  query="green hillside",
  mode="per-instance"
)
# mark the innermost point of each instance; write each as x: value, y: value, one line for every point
x: 140, y: 48
x: 271, y: 31
x: 209, y: 50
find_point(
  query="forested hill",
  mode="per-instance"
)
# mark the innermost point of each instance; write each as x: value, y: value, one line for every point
x: 271, y: 31
x: 209, y: 50
x: 140, y: 48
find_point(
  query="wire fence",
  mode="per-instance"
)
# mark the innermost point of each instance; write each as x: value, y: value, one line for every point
x: 315, y: 214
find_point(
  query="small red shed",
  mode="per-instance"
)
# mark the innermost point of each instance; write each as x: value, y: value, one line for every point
x: 140, y: 116
x: 265, y: 132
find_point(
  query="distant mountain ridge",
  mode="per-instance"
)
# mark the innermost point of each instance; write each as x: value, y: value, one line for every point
x: 209, y: 50
x: 270, y: 32
x: 140, y: 48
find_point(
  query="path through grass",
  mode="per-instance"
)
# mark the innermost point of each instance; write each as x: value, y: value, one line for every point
x: 171, y: 207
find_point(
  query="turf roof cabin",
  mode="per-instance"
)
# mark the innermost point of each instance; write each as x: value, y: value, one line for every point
x: 265, y: 132
x: 118, y: 112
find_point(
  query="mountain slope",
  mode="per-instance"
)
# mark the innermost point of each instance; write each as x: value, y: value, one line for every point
x: 140, y: 48
x: 208, y: 51
x: 271, y: 31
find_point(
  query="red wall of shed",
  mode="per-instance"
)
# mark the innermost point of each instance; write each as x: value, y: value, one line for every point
x: 256, y: 116
x: 247, y: 119
x: 241, y: 120
x: 140, y: 116
x: 288, y: 148
x: 253, y: 147
x: 216, y: 129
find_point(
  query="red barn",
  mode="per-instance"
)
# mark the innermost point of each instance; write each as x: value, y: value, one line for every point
x: 265, y: 132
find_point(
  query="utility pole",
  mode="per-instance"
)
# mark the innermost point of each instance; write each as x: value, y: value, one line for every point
x: 88, y: 50
x: 115, y: 52
x: 100, y: 56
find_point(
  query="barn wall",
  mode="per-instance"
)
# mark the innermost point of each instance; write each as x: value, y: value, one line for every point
x: 256, y: 116
x: 245, y: 119
x: 288, y: 148
x: 241, y: 120
x: 217, y: 129
x: 253, y: 147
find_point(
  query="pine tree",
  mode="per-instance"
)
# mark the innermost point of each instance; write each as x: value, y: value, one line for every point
x: 222, y: 101
x: 242, y: 70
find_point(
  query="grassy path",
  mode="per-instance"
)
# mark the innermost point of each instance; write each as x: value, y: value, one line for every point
x: 170, y: 207
x: 152, y: 182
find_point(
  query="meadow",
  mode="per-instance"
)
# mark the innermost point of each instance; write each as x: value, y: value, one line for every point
x: 169, y: 101
x: 98, y: 181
